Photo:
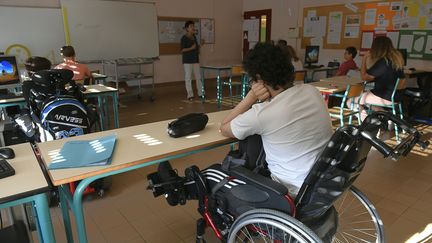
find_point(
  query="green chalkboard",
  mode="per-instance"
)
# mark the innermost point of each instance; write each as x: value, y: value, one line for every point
x: 418, y: 43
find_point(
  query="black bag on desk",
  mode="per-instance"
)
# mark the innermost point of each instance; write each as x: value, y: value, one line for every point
x: 187, y: 124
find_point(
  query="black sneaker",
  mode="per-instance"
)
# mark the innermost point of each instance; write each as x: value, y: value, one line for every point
x: 202, y: 96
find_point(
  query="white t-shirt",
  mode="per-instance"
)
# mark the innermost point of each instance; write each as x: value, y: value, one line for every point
x: 295, y: 126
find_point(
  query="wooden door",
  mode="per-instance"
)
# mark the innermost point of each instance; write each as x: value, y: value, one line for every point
x: 263, y: 19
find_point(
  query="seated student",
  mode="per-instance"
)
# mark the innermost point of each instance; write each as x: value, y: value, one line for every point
x: 383, y: 64
x: 348, y: 64
x: 292, y: 120
x: 81, y: 71
x: 289, y: 50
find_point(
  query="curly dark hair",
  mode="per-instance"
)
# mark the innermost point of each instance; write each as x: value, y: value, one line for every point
x: 271, y: 64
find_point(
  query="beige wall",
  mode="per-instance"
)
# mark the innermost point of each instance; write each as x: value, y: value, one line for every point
x: 283, y: 17
x: 228, y: 23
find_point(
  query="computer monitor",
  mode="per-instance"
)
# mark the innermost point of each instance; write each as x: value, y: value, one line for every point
x: 404, y: 55
x: 311, y: 55
x: 8, y: 71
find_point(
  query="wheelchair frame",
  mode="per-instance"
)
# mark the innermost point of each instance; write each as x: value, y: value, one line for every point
x: 287, y: 227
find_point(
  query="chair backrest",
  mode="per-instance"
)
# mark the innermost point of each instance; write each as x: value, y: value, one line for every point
x: 399, y: 86
x: 334, y: 171
x: 300, y: 76
x: 425, y: 85
x: 237, y: 70
x: 355, y: 90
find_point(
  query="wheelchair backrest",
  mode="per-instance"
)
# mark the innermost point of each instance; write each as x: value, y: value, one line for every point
x: 335, y: 170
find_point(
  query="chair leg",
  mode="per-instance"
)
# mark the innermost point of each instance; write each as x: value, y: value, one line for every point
x: 395, y: 127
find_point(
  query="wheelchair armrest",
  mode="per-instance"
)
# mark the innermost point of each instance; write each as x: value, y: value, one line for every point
x: 258, y: 179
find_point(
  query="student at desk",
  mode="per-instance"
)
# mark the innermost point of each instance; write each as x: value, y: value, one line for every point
x: 289, y: 50
x: 349, y: 64
x: 293, y: 120
x: 81, y: 71
x: 383, y: 64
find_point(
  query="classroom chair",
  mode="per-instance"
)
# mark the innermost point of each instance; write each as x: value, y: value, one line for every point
x: 340, y: 112
x: 299, y: 77
x: 399, y: 87
x: 236, y: 72
x: 419, y: 97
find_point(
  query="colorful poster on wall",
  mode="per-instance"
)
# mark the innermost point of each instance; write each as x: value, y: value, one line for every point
x: 379, y: 16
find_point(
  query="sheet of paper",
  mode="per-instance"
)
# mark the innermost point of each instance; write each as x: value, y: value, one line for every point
x: 311, y: 13
x: 307, y: 28
x: 406, y: 42
x: 351, y: 7
x: 253, y: 35
x: 333, y: 37
x: 394, y: 37
x: 352, y: 20
x: 317, y: 41
x: 352, y: 31
x: 252, y: 44
x: 247, y: 24
x: 370, y: 16
x: 419, y: 42
x: 396, y: 6
x: 428, y: 47
x: 335, y: 22
x: 367, y: 39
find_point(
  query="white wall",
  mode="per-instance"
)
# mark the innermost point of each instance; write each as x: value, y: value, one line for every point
x: 228, y: 30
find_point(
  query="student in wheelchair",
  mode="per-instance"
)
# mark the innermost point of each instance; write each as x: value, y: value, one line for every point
x: 281, y: 185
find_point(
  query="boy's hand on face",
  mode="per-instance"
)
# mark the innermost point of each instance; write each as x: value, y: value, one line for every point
x: 260, y: 90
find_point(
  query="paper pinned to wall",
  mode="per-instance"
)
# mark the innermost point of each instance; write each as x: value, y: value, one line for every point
x: 394, y: 37
x: 314, y: 26
x: 367, y: 39
x: 351, y: 7
x: 352, y: 31
x: 406, y: 42
x: 317, y: 41
x: 311, y: 13
x: 370, y: 16
x: 428, y: 47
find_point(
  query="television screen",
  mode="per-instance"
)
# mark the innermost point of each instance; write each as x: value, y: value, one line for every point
x: 8, y: 70
x: 404, y: 55
x: 312, y: 54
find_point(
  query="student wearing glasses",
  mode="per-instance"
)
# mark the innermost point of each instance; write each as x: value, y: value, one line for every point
x: 292, y: 120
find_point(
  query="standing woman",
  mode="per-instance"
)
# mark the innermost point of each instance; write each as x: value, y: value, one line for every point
x: 190, y: 57
x: 383, y: 64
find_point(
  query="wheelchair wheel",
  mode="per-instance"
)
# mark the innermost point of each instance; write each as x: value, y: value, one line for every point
x: 266, y: 225
x: 358, y: 219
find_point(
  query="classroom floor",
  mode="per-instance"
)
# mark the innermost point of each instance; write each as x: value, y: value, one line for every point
x: 402, y: 191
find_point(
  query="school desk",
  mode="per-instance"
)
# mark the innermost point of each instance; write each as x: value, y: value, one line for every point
x: 343, y: 80
x: 312, y: 71
x: 28, y: 185
x: 218, y: 68
x: 102, y: 92
x: 136, y: 147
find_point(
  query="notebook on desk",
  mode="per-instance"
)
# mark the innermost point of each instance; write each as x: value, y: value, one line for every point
x: 81, y: 153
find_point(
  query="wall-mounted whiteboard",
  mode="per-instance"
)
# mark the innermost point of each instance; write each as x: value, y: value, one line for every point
x: 40, y: 30
x: 112, y: 29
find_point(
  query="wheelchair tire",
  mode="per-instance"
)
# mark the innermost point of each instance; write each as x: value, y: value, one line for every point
x: 358, y: 219
x: 255, y: 225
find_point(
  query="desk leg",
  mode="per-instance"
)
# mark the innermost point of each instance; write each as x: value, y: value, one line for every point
x: 107, y: 114
x: 202, y: 86
x: 64, y: 205
x: 101, y: 113
x: 244, y: 82
x: 115, y: 109
x: 44, y: 218
x: 218, y: 90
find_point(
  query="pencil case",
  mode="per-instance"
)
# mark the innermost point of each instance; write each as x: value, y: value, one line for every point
x: 187, y: 124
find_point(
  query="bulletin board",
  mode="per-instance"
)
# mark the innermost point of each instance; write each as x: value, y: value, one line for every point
x: 171, y: 30
x: 329, y: 30
x: 385, y: 17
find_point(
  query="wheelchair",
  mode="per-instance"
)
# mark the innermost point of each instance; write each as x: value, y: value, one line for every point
x: 241, y: 203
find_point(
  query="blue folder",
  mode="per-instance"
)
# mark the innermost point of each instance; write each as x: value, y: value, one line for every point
x: 83, y: 153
